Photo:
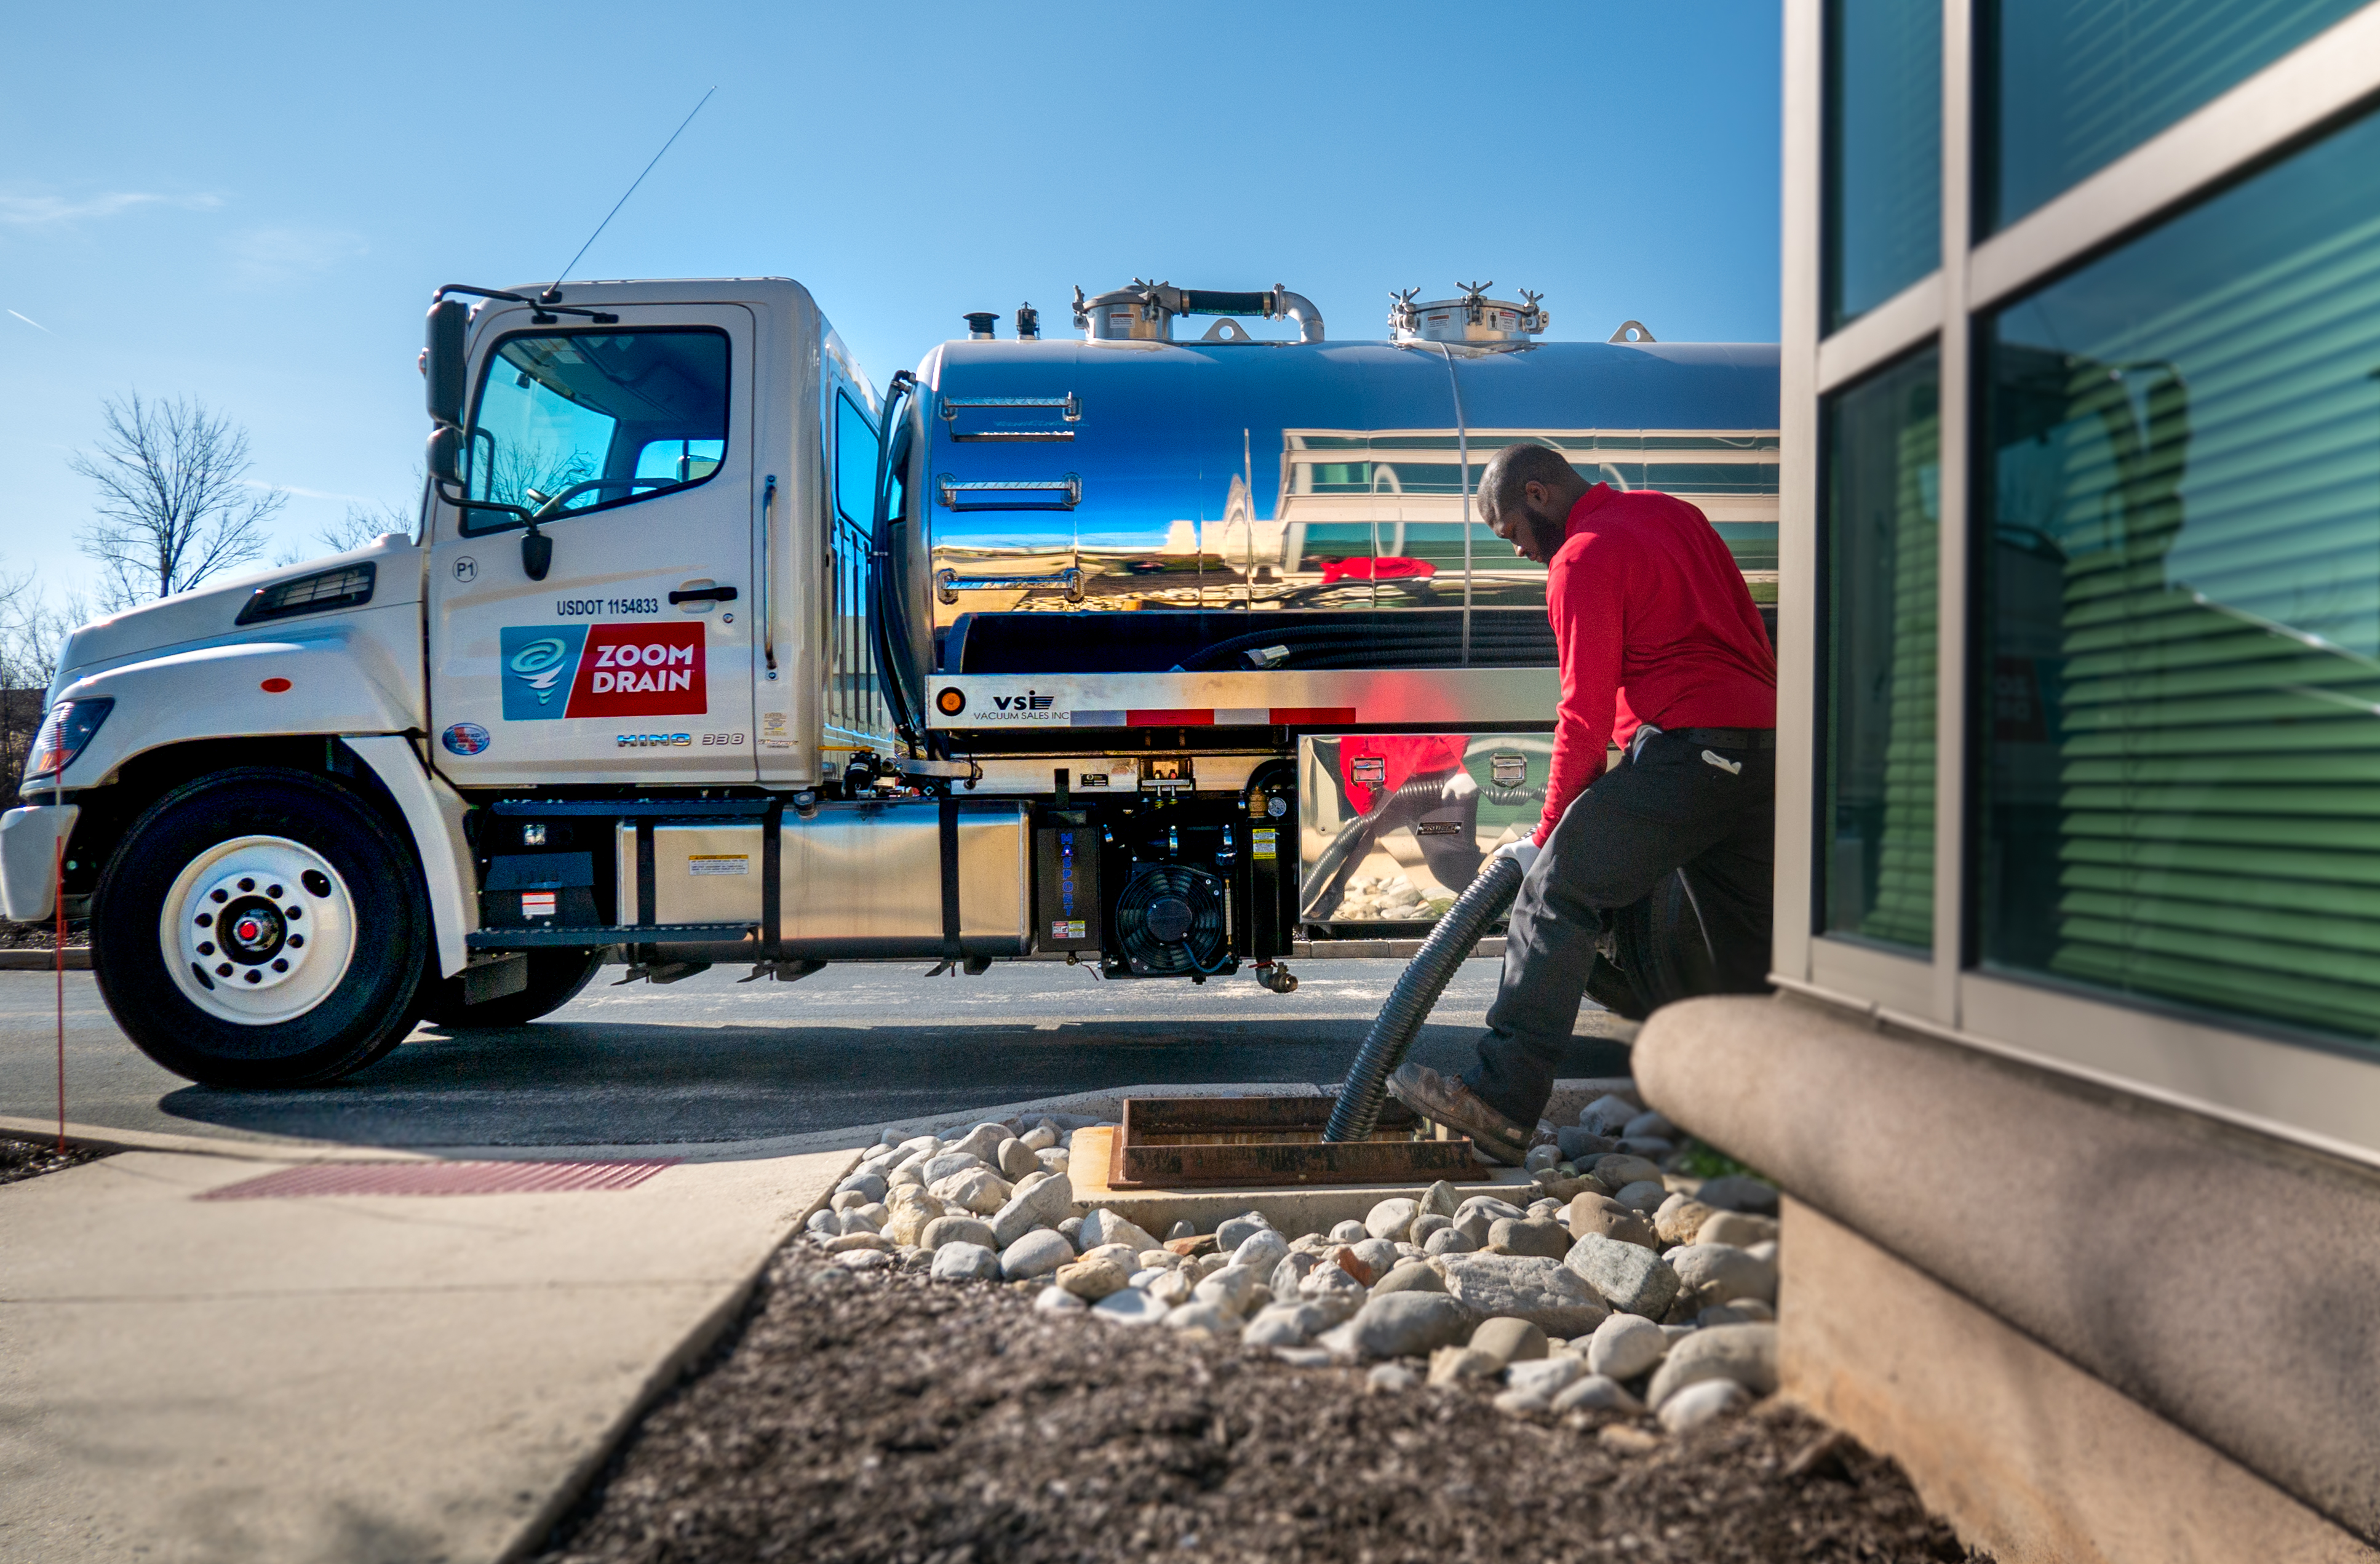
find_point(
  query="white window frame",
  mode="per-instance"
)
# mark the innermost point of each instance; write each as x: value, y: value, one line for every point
x: 2322, y: 1096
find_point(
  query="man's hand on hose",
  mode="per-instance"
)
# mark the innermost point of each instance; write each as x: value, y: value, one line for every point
x: 1523, y: 853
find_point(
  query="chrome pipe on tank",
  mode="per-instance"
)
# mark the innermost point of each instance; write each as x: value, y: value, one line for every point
x: 1145, y: 310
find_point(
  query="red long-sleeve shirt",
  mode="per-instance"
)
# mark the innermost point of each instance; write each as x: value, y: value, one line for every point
x: 1653, y: 624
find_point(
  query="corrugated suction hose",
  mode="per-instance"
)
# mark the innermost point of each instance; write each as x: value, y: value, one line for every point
x: 1415, y: 994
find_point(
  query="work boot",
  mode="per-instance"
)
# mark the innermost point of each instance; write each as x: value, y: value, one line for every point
x: 1444, y: 1099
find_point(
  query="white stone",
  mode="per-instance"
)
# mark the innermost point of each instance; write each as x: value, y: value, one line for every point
x: 1625, y: 1346
x: 1172, y: 1288
x: 1645, y: 1194
x: 1037, y: 1253
x: 1261, y: 1251
x: 1705, y: 1402
x: 1228, y: 1289
x: 868, y: 1184
x: 1392, y: 1220
x: 1743, y: 1355
x: 1202, y: 1316
x: 1121, y: 1256
x: 1389, y: 1378
x: 1650, y: 1124
x: 1350, y: 1231
x: 965, y: 1261
x: 936, y: 1169
x: 1131, y: 1306
x: 1058, y: 1300
x: 1597, y: 1392
x: 978, y: 1190
x: 1040, y: 1139
x: 1233, y: 1231
x: 1716, y: 1273
x: 983, y: 1141
x: 1104, y: 1226
x: 1491, y: 1207
x: 1546, y: 1376
x: 1607, y: 1115
x: 1037, y: 1200
x: 1544, y: 1293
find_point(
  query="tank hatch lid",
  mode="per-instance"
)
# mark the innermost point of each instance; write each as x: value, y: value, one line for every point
x: 1474, y: 317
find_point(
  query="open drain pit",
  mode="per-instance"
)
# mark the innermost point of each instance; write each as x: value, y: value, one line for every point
x: 1175, y: 1143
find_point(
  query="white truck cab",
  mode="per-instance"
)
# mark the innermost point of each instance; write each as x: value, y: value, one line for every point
x: 705, y: 651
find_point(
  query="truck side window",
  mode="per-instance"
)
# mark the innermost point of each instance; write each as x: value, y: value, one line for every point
x: 596, y: 418
x: 855, y: 462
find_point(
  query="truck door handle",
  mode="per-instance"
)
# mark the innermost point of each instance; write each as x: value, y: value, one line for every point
x: 705, y: 594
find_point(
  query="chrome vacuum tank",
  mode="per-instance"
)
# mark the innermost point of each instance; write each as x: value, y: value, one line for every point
x: 1127, y: 501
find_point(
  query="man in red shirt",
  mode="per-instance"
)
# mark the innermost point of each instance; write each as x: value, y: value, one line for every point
x: 1663, y: 653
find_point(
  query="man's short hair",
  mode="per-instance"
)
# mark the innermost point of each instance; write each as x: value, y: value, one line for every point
x: 1519, y: 464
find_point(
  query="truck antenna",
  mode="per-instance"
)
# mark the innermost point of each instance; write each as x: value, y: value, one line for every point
x: 554, y: 289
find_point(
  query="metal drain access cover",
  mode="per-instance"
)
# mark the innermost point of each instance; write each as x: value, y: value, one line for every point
x: 442, y: 1179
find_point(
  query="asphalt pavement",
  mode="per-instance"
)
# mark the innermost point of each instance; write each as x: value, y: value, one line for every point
x: 710, y: 1060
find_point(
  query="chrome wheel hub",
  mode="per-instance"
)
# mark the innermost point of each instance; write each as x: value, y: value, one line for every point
x: 257, y: 930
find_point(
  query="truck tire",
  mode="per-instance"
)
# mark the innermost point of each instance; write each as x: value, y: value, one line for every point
x: 554, y: 979
x: 262, y: 928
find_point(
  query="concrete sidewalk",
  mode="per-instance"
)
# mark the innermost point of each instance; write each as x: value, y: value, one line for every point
x: 358, y: 1379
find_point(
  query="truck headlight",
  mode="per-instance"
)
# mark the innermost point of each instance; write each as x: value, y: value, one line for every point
x: 64, y: 731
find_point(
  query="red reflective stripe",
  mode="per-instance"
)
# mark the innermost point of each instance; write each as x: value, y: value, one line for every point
x: 1305, y: 716
x: 1171, y: 717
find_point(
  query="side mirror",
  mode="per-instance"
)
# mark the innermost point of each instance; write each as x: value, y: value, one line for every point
x: 443, y: 363
x: 446, y: 454
x: 537, y: 553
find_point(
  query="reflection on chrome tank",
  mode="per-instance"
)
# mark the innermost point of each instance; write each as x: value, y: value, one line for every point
x: 1321, y: 487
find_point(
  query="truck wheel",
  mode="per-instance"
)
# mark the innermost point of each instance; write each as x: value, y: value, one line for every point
x: 554, y: 979
x: 260, y: 928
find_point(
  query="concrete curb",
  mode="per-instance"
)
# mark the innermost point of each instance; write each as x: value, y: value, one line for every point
x: 13, y: 1128
x: 663, y: 1379
x: 36, y: 960
x: 1072, y: 1110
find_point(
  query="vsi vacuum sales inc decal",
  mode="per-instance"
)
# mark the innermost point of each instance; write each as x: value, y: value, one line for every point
x: 602, y: 671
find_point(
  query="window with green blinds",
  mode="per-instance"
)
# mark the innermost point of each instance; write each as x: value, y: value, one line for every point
x: 1883, y: 516
x: 2179, y: 714
x: 2072, y: 85
x: 1883, y: 189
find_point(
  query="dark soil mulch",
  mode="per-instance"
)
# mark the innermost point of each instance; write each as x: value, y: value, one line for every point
x: 876, y: 1416
x: 29, y: 1159
x: 42, y: 936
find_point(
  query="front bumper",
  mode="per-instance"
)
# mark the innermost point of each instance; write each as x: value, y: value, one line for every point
x: 29, y: 859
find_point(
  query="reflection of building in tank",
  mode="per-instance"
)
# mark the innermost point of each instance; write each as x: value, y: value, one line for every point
x: 1373, y: 518
x: 1381, y: 511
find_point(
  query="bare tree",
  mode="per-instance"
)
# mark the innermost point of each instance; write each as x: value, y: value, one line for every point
x: 33, y: 629
x: 175, y: 506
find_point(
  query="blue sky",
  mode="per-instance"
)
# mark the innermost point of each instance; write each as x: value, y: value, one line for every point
x: 251, y: 204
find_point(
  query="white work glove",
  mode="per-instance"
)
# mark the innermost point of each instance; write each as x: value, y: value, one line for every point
x: 1523, y: 853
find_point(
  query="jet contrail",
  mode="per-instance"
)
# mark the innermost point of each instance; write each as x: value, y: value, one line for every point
x: 34, y: 324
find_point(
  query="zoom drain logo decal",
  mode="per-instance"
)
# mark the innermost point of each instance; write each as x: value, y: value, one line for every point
x: 602, y: 671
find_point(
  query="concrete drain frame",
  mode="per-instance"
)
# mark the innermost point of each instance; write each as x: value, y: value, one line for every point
x: 1194, y: 1143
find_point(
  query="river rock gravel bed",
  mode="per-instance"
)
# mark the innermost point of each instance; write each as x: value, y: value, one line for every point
x: 954, y: 1363
x: 881, y: 1415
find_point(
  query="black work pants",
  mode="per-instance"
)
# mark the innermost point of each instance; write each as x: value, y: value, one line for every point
x: 1664, y: 807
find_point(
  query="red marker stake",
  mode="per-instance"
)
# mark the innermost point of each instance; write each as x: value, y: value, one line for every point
x: 58, y: 891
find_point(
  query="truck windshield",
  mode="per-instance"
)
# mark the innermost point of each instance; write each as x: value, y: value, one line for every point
x: 596, y: 420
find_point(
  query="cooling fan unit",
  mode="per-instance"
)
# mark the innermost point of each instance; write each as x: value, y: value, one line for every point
x: 1171, y: 920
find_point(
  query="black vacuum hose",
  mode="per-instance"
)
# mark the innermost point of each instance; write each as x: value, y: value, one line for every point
x: 1415, y: 994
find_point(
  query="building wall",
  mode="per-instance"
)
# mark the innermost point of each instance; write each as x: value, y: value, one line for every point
x: 2080, y: 541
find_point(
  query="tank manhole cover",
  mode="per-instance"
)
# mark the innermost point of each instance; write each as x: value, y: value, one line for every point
x: 442, y: 1179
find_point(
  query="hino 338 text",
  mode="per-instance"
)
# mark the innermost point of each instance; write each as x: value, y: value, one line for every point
x: 1175, y: 656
